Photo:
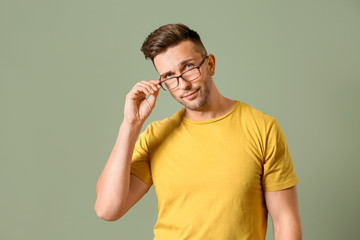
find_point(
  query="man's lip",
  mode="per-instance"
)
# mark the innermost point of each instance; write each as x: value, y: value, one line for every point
x: 191, y: 93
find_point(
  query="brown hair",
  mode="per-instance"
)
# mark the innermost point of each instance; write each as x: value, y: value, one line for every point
x: 168, y: 36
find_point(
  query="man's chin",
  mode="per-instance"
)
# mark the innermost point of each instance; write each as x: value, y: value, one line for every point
x: 195, y: 105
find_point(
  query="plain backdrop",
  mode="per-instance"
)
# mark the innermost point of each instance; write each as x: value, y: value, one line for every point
x: 66, y: 67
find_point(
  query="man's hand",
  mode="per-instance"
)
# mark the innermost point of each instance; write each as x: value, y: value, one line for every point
x: 137, y: 106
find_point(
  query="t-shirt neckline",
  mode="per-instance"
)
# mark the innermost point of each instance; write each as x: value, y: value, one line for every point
x: 201, y: 122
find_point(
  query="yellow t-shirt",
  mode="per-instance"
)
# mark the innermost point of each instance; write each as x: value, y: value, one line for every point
x: 210, y: 176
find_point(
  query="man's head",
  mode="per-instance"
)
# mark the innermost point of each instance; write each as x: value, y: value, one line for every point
x: 168, y: 36
x: 174, y: 49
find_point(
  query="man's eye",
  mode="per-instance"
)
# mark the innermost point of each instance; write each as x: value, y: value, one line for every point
x: 189, y: 65
x: 168, y: 75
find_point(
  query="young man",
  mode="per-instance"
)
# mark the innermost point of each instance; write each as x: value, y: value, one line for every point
x: 218, y: 165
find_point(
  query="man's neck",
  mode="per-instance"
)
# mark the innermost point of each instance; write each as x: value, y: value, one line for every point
x: 217, y: 106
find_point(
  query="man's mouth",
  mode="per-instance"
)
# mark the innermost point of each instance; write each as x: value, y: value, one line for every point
x: 190, y: 94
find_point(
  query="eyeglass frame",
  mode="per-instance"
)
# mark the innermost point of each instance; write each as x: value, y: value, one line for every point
x: 180, y: 76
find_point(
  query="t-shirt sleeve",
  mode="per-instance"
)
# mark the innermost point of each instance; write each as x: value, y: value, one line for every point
x: 278, y: 169
x: 140, y: 162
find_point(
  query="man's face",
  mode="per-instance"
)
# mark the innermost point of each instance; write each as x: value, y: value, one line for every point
x: 193, y: 95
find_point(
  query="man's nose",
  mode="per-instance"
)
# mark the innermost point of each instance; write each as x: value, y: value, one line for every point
x: 183, y: 84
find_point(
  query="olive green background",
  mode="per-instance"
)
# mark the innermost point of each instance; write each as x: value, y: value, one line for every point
x: 66, y: 66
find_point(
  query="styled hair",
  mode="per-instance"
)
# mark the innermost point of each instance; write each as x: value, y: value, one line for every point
x: 168, y: 36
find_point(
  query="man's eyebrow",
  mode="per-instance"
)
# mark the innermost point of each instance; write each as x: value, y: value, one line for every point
x: 182, y: 63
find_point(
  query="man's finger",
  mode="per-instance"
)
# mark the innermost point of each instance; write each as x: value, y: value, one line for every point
x: 154, y: 84
x: 152, y: 98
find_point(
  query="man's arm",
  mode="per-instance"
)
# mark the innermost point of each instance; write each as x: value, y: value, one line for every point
x: 284, y: 211
x: 117, y: 190
x: 113, y: 186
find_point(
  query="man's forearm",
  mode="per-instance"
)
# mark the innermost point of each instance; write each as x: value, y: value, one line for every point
x: 113, y: 184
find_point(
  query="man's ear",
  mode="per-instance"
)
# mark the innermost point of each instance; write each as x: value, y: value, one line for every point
x: 211, y: 64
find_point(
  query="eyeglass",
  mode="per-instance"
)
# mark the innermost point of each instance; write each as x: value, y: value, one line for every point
x: 189, y: 76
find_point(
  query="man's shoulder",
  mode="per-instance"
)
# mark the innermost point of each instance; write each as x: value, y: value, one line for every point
x: 255, y: 121
x: 167, y: 122
x: 251, y: 113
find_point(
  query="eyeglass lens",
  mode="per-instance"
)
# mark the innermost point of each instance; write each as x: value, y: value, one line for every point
x: 187, y: 76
